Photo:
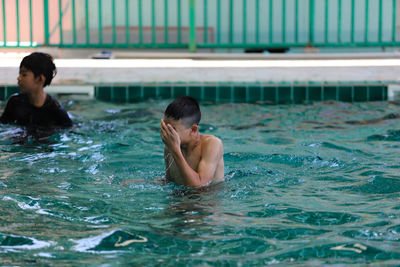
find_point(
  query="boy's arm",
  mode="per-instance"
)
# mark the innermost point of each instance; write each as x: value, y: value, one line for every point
x: 210, y: 157
x: 212, y: 153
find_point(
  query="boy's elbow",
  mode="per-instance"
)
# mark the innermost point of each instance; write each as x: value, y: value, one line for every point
x: 198, y: 182
x: 195, y: 185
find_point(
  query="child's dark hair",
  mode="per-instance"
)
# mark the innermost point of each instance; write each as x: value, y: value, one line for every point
x: 184, y: 107
x: 40, y: 63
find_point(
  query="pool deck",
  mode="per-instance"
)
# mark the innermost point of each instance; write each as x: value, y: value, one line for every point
x: 128, y: 68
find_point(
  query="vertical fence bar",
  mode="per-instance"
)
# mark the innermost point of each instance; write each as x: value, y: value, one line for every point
x: 192, y: 27
x: 283, y: 21
x: 4, y: 24
x: 18, y: 27
x: 205, y: 21
x: 271, y: 22
x: 366, y: 20
x: 179, y: 7
x: 353, y: 14
x: 257, y: 21
x: 311, y: 22
x: 166, y: 21
x: 296, y: 20
x: 127, y: 26
x: 380, y: 21
x: 394, y: 21
x: 100, y: 22
x: 219, y: 21
x: 339, y: 21
x: 114, y: 29
x: 73, y: 22
x: 231, y: 21
x: 140, y: 22
x: 60, y: 21
x: 87, y: 21
x: 153, y: 21
x: 326, y: 21
x: 30, y: 23
x: 46, y: 21
x: 244, y: 21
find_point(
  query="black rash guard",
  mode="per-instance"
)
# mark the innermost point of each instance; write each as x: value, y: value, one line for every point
x: 20, y: 111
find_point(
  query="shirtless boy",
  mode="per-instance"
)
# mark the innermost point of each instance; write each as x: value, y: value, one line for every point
x: 191, y: 158
x: 33, y: 107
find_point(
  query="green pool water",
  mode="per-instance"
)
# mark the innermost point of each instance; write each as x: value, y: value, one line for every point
x: 307, y: 185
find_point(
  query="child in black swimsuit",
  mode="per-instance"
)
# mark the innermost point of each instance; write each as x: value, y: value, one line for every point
x: 33, y: 107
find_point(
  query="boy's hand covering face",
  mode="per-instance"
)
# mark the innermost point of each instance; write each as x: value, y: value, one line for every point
x: 169, y: 136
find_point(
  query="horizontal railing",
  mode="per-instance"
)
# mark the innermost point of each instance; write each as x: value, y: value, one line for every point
x: 191, y: 24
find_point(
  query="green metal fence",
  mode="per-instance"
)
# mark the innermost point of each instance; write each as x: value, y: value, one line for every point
x: 191, y: 24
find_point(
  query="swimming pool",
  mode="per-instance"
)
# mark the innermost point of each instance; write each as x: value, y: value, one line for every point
x: 306, y: 184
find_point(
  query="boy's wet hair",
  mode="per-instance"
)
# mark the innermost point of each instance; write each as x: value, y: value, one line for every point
x: 40, y: 63
x: 185, y: 108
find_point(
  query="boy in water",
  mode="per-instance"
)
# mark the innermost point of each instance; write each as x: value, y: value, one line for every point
x: 33, y: 107
x: 191, y: 158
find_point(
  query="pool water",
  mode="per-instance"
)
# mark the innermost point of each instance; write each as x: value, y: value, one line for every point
x: 310, y: 184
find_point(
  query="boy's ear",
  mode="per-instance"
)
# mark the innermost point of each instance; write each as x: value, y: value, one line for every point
x: 41, y: 78
x: 194, y: 128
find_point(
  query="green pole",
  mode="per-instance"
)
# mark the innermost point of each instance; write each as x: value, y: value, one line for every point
x: 244, y: 21
x: 311, y: 21
x: 352, y: 19
x: 166, y: 21
x: 87, y: 22
x: 114, y: 34
x: 18, y: 30
x: 153, y: 21
x: 219, y: 21
x: 283, y: 21
x: 326, y: 20
x: 270, y: 22
x: 140, y: 22
x: 60, y: 22
x: 205, y: 22
x: 46, y: 21
x: 179, y: 22
x: 297, y: 21
x: 339, y: 21
x: 127, y: 26
x: 100, y: 23
x: 30, y: 22
x: 4, y: 24
x: 192, y: 28
x: 231, y: 21
x: 73, y: 22
x: 380, y: 21
x: 366, y: 20
x: 394, y: 22
x: 257, y: 21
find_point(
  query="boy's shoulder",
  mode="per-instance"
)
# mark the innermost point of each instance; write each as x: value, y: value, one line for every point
x: 51, y: 101
x: 210, y: 140
x: 18, y: 97
x: 210, y: 137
